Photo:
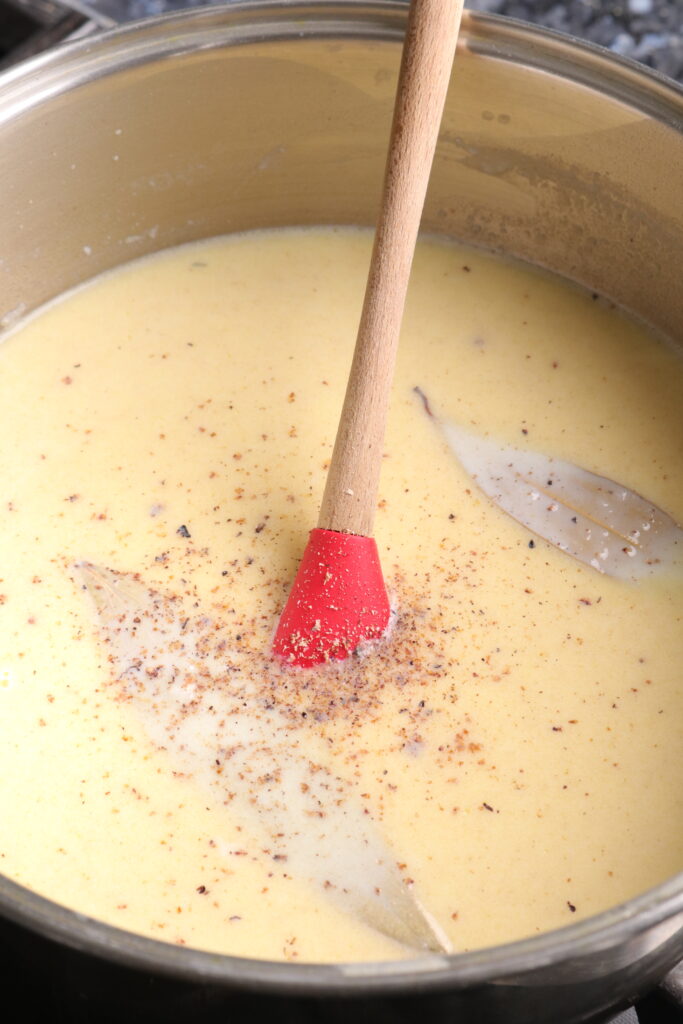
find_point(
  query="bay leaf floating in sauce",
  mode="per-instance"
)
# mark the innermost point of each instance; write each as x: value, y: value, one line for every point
x: 600, y: 522
x: 198, y: 703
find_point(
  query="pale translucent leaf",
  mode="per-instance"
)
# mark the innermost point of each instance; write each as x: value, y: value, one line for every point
x: 592, y: 518
x: 200, y: 706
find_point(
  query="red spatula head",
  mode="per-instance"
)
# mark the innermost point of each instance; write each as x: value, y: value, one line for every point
x: 338, y: 600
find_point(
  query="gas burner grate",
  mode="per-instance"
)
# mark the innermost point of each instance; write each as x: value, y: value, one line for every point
x: 28, y: 27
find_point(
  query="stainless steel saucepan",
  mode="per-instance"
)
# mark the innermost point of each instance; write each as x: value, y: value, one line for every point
x: 264, y: 113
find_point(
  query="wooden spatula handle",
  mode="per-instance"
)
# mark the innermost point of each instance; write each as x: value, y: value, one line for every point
x: 350, y: 496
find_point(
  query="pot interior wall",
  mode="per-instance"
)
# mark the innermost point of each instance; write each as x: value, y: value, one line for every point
x: 129, y: 146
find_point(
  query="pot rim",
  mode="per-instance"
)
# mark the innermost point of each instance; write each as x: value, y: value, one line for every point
x: 428, y: 972
x: 35, y: 81
x: 243, y: 21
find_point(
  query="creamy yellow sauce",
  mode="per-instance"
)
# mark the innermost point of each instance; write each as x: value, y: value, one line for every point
x: 519, y: 750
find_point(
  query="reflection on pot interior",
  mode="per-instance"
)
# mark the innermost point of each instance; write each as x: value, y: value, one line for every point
x: 485, y: 772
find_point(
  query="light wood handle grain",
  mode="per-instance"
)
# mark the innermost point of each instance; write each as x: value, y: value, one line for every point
x: 350, y: 497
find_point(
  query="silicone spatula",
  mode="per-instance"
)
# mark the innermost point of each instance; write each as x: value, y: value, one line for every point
x: 339, y: 599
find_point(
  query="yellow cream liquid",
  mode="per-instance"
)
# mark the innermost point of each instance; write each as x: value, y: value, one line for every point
x: 519, y: 750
